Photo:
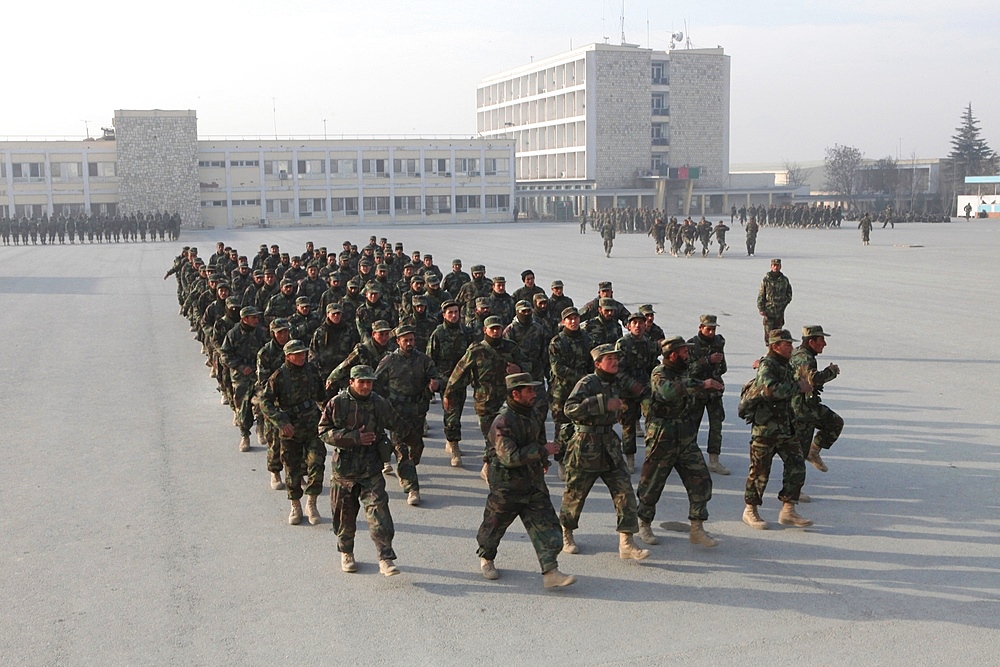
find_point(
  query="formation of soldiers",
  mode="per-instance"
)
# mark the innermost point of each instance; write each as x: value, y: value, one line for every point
x: 671, y: 235
x: 91, y: 228
x: 348, y: 350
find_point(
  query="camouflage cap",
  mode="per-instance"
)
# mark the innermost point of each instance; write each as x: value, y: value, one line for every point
x: 193, y: 250
x: 427, y: 256
x: 708, y: 321
x: 557, y: 283
x: 606, y: 303
x: 354, y: 282
x: 779, y: 336
x: 539, y: 297
x: 456, y: 262
x: 492, y: 321
x: 518, y: 380
x: 381, y: 325
x: 603, y: 351
x: 673, y: 343
x: 417, y: 279
x: 269, y: 271
x: 636, y: 316
x: 403, y: 330
x: 647, y: 309
x: 381, y: 268
x: 336, y: 275
x: 280, y: 324
x: 248, y: 311
x: 776, y: 260
x: 294, y: 347
x: 257, y: 273
x: 568, y: 312
x: 478, y: 268
x: 813, y: 331
x: 602, y: 286
x: 522, y: 305
x: 499, y: 279
x: 449, y: 303
x: 482, y: 302
x: 233, y: 302
x: 222, y: 284
x: 296, y: 258
x: 334, y: 308
x: 287, y: 282
x: 346, y: 243
x: 398, y: 245
x: 418, y: 300
x: 302, y: 301
x: 366, y: 262
x: 284, y: 255
x: 362, y: 372
x: 433, y: 279
x: 373, y: 288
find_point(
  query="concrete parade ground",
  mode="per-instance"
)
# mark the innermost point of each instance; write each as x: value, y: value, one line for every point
x: 134, y: 533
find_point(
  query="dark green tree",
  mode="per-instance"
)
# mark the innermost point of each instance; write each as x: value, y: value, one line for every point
x: 970, y: 153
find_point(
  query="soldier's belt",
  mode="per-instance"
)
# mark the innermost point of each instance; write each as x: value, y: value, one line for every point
x: 400, y: 398
x: 585, y: 428
x: 299, y: 408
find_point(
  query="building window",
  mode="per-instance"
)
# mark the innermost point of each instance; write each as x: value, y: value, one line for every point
x: 242, y: 163
x: 437, y: 166
x: 345, y: 205
x: 497, y: 202
x: 659, y: 74
x: 409, y: 205
x: 465, y: 202
x: 495, y: 165
x: 467, y: 166
x: 438, y: 204
x: 279, y: 168
x: 211, y: 163
x: 344, y: 168
x: 405, y: 167
x: 246, y: 202
x: 279, y: 206
x: 66, y: 171
x: 28, y: 171
x: 315, y: 167
x: 313, y: 205
x: 376, y: 167
x: 101, y: 169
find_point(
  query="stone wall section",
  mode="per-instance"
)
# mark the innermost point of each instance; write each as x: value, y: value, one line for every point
x: 622, y: 116
x: 699, y: 112
x: 158, y: 163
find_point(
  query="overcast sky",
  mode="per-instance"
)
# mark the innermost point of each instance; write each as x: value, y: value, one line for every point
x: 891, y: 77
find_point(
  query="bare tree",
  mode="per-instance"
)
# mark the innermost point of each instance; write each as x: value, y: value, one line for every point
x: 795, y: 175
x: 842, y: 166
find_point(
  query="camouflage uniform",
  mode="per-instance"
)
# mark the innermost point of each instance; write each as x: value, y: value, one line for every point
x: 238, y: 353
x: 292, y: 395
x: 810, y: 413
x: 710, y: 401
x: 468, y: 294
x: 773, y: 433
x: 595, y: 452
x: 269, y: 359
x: 445, y: 347
x: 603, y: 331
x: 637, y: 359
x: 773, y: 297
x: 331, y: 344
x: 569, y: 360
x: 365, y: 353
x: 672, y: 442
x: 517, y: 485
x: 357, y: 478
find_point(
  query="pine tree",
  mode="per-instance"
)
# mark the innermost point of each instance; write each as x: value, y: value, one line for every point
x: 971, y: 154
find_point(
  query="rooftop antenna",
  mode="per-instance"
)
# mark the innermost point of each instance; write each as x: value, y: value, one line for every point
x: 604, y: 28
x: 623, y: 22
x: 86, y: 128
x: 687, y: 43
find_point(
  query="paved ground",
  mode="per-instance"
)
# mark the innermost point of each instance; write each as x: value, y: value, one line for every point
x: 133, y: 532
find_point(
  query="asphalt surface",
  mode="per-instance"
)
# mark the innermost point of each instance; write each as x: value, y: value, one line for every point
x: 133, y: 532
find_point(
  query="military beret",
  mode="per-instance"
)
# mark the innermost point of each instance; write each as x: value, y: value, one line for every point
x: 673, y: 343
x: 517, y: 380
x: 248, y: 311
x: 482, y: 302
x: 568, y: 312
x: 280, y: 324
x: 603, y: 351
x: 381, y: 325
x: 779, y: 336
x: 456, y: 262
x: 479, y: 268
x: 233, y: 302
x: 606, y: 285
x: 362, y: 372
x: 607, y: 303
x: 403, y: 329
x: 334, y: 308
x: 522, y: 305
x: 492, y: 321
x: 813, y: 331
x: 294, y: 347
x: 708, y: 321
x: 449, y: 303
x: 302, y: 301
x: 539, y: 297
x: 557, y: 283
x: 526, y: 273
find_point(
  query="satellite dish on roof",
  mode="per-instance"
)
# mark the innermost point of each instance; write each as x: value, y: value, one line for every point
x: 674, y: 38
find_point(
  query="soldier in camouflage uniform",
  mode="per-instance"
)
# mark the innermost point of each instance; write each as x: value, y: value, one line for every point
x: 353, y: 425
x: 291, y: 401
x: 595, y: 452
x: 708, y: 361
x: 517, y: 455
x: 372, y: 310
x: 501, y: 303
x: 333, y: 340
x: 637, y: 358
x: 773, y: 433
x: 527, y: 291
x: 281, y: 304
x: 558, y: 302
x: 269, y: 359
x: 569, y: 361
x: 653, y: 330
x: 447, y: 343
x: 366, y: 353
x: 773, y: 297
x: 672, y: 442
x: 312, y: 286
x: 484, y: 365
x: 303, y: 321
x: 453, y: 282
x: 407, y: 378
x: 479, y: 286
x: 810, y: 412
x: 545, y: 318
x: 238, y: 353
x: 605, y: 290
x: 604, y: 329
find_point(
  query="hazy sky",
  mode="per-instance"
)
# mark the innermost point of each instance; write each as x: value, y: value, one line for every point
x: 891, y: 77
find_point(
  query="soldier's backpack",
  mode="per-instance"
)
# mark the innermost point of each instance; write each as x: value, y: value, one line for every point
x: 751, y: 397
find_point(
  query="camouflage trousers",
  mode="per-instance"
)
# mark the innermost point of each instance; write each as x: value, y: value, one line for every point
x: 303, y: 455
x: 563, y: 425
x: 716, y: 415
x: 485, y: 423
x: 773, y: 320
x: 408, y: 449
x: 667, y: 450
x: 243, y: 393
x: 608, y: 245
x: 273, y: 446
x: 827, y: 427
x: 762, y: 451
x: 629, y: 420
x: 347, y: 496
x: 578, y: 485
x: 453, y: 419
x: 536, y: 513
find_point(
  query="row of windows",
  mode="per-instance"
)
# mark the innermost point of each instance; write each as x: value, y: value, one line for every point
x: 556, y: 77
x: 433, y: 204
x: 65, y: 210
x: 348, y: 168
x: 35, y: 171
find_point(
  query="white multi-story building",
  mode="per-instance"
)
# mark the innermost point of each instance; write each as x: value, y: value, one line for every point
x: 154, y: 161
x: 598, y: 126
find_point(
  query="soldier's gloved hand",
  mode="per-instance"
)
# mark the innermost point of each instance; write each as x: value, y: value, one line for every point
x: 366, y: 438
x: 287, y: 431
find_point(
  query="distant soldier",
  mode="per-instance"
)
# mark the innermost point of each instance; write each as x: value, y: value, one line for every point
x: 752, y: 228
x: 720, y: 236
x: 773, y: 297
x: 238, y: 353
x: 707, y: 361
x: 447, y: 344
x: 608, y: 235
x: 866, y: 228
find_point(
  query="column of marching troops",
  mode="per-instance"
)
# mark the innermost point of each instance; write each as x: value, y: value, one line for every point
x: 92, y: 228
x: 348, y: 350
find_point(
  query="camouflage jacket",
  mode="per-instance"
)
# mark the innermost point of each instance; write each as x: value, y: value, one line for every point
x: 590, y: 311
x: 304, y: 326
x: 447, y: 344
x: 403, y: 379
x: 485, y: 367
x: 775, y: 293
x: 502, y: 305
x: 365, y: 353
x: 279, y: 305
x: 807, y: 406
x: 453, y: 281
x: 569, y: 360
x: 534, y: 345
x: 369, y: 313
x: 701, y: 367
x: 339, y: 427
x: 222, y: 326
x: 269, y: 359
x: 673, y: 399
x: 292, y: 395
x: 240, y: 347
x: 331, y: 344
x: 468, y: 294
x: 637, y: 360
x: 516, y: 450
x: 774, y: 415
x: 595, y: 446
x: 313, y: 289
x: 603, y: 331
